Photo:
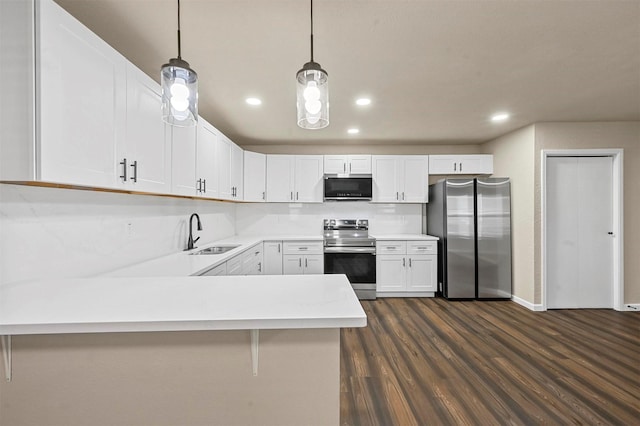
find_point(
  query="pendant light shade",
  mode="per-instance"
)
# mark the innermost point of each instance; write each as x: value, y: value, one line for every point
x: 179, y: 90
x: 312, y: 92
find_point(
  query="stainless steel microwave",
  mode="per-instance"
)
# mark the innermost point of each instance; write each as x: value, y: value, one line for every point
x: 347, y: 188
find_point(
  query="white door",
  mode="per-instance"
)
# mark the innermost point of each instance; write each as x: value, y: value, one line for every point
x: 415, y: 176
x: 273, y: 257
x: 183, y: 159
x: 391, y: 271
x: 360, y: 164
x: 280, y: 171
x: 255, y: 169
x: 314, y: 264
x: 384, y: 169
x: 335, y: 164
x: 579, y: 219
x: 237, y: 171
x: 223, y: 155
x: 308, y: 178
x: 206, y: 165
x: 292, y: 265
x: 421, y: 275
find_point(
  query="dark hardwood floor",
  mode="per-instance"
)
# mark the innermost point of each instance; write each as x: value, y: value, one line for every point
x: 436, y: 362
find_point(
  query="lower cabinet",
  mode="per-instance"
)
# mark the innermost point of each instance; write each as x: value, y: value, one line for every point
x: 406, y: 267
x: 273, y: 257
x: 302, y: 257
x: 252, y: 260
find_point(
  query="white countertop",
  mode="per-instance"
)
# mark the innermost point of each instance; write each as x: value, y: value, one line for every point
x: 409, y: 237
x: 108, y: 304
x: 183, y: 264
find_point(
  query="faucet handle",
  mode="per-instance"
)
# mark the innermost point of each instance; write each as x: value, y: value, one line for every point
x: 194, y: 241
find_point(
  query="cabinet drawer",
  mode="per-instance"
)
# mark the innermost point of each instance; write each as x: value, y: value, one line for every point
x: 391, y: 247
x: 422, y: 247
x: 302, y: 247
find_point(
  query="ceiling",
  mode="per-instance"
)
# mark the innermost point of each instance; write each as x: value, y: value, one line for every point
x: 435, y: 70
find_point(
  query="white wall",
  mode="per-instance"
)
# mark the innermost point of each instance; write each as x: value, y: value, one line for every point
x: 50, y: 232
x: 513, y: 156
x: 284, y: 218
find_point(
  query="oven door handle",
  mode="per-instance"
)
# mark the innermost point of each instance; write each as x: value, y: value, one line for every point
x: 365, y: 250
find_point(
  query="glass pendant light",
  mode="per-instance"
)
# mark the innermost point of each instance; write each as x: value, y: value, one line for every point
x: 179, y: 90
x: 312, y: 92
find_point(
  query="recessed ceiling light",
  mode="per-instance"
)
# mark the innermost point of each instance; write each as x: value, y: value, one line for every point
x: 501, y: 116
x: 363, y: 101
x: 353, y: 131
x: 253, y: 101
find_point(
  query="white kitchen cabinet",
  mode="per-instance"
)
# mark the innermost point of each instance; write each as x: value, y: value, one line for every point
x: 255, y: 174
x: 295, y: 178
x: 79, y: 108
x: 145, y: 153
x: 217, y: 271
x: 461, y: 164
x: 234, y: 266
x: 206, y: 160
x: 352, y: 164
x: 252, y: 260
x: 400, y: 178
x: 406, y: 268
x: 183, y: 158
x: 303, y: 257
x: 272, y: 257
x: 230, y: 169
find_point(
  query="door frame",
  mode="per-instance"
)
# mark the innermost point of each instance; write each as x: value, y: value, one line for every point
x: 618, y: 216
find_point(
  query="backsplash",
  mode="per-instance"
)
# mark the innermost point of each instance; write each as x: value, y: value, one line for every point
x: 285, y: 218
x: 50, y: 232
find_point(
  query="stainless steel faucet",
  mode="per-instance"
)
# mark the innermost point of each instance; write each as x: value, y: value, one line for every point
x: 191, y: 241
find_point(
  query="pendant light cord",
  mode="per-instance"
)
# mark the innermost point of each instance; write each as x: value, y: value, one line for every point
x: 311, y: 30
x: 179, y: 52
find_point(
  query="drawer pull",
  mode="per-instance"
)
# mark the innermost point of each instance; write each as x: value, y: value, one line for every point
x: 303, y: 248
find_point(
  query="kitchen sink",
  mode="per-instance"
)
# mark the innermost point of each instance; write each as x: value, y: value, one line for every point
x: 215, y: 250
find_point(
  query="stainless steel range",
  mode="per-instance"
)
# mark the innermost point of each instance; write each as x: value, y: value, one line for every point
x: 349, y: 250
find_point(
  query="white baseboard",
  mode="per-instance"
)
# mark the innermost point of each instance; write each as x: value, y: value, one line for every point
x: 527, y: 304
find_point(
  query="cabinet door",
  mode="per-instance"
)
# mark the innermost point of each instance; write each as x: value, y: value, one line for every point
x: 146, y: 147
x: 280, y: 171
x: 293, y: 265
x: 335, y: 164
x: 476, y: 164
x: 237, y: 172
x: 422, y: 273
x: 234, y: 266
x: 217, y: 271
x: 314, y: 264
x: 183, y: 160
x: 359, y: 164
x: 273, y: 258
x: 386, y: 175
x: 223, y: 154
x: 82, y: 102
x: 255, y: 169
x: 309, y: 172
x: 206, y: 165
x: 415, y: 179
x: 391, y: 270
x: 443, y: 164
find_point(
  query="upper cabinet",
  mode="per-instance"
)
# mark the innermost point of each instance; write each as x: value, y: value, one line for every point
x: 145, y: 153
x: 230, y: 169
x: 81, y: 102
x: 481, y: 164
x: 183, y: 155
x: 206, y: 160
x: 400, y: 178
x: 255, y: 172
x: 294, y: 178
x: 351, y: 164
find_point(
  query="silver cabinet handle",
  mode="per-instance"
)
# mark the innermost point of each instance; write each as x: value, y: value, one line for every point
x: 455, y: 167
x: 300, y: 262
x: 409, y: 262
x: 344, y: 167
x: 303, y: 248
x: 123, y: 176
x: 291, y: 195
x: 402, y: 195
x: 297, y: 196
x: 135, y: 171
x: 278, y: 247
x: 403, y: 262
x: 305, y: 263
x: 263, y: 195
x: 204, y: 186
x: 349, y: 167
x: 259, y: 266
x: 199, y: 185
x: 391, y: 248
x: 397, y: 196
x: 460, y: 166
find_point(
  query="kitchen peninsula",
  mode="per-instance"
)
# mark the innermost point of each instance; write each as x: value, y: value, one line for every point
x: 194, y: 350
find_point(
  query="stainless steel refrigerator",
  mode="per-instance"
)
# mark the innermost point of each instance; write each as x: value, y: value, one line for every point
x: 472, y: 217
